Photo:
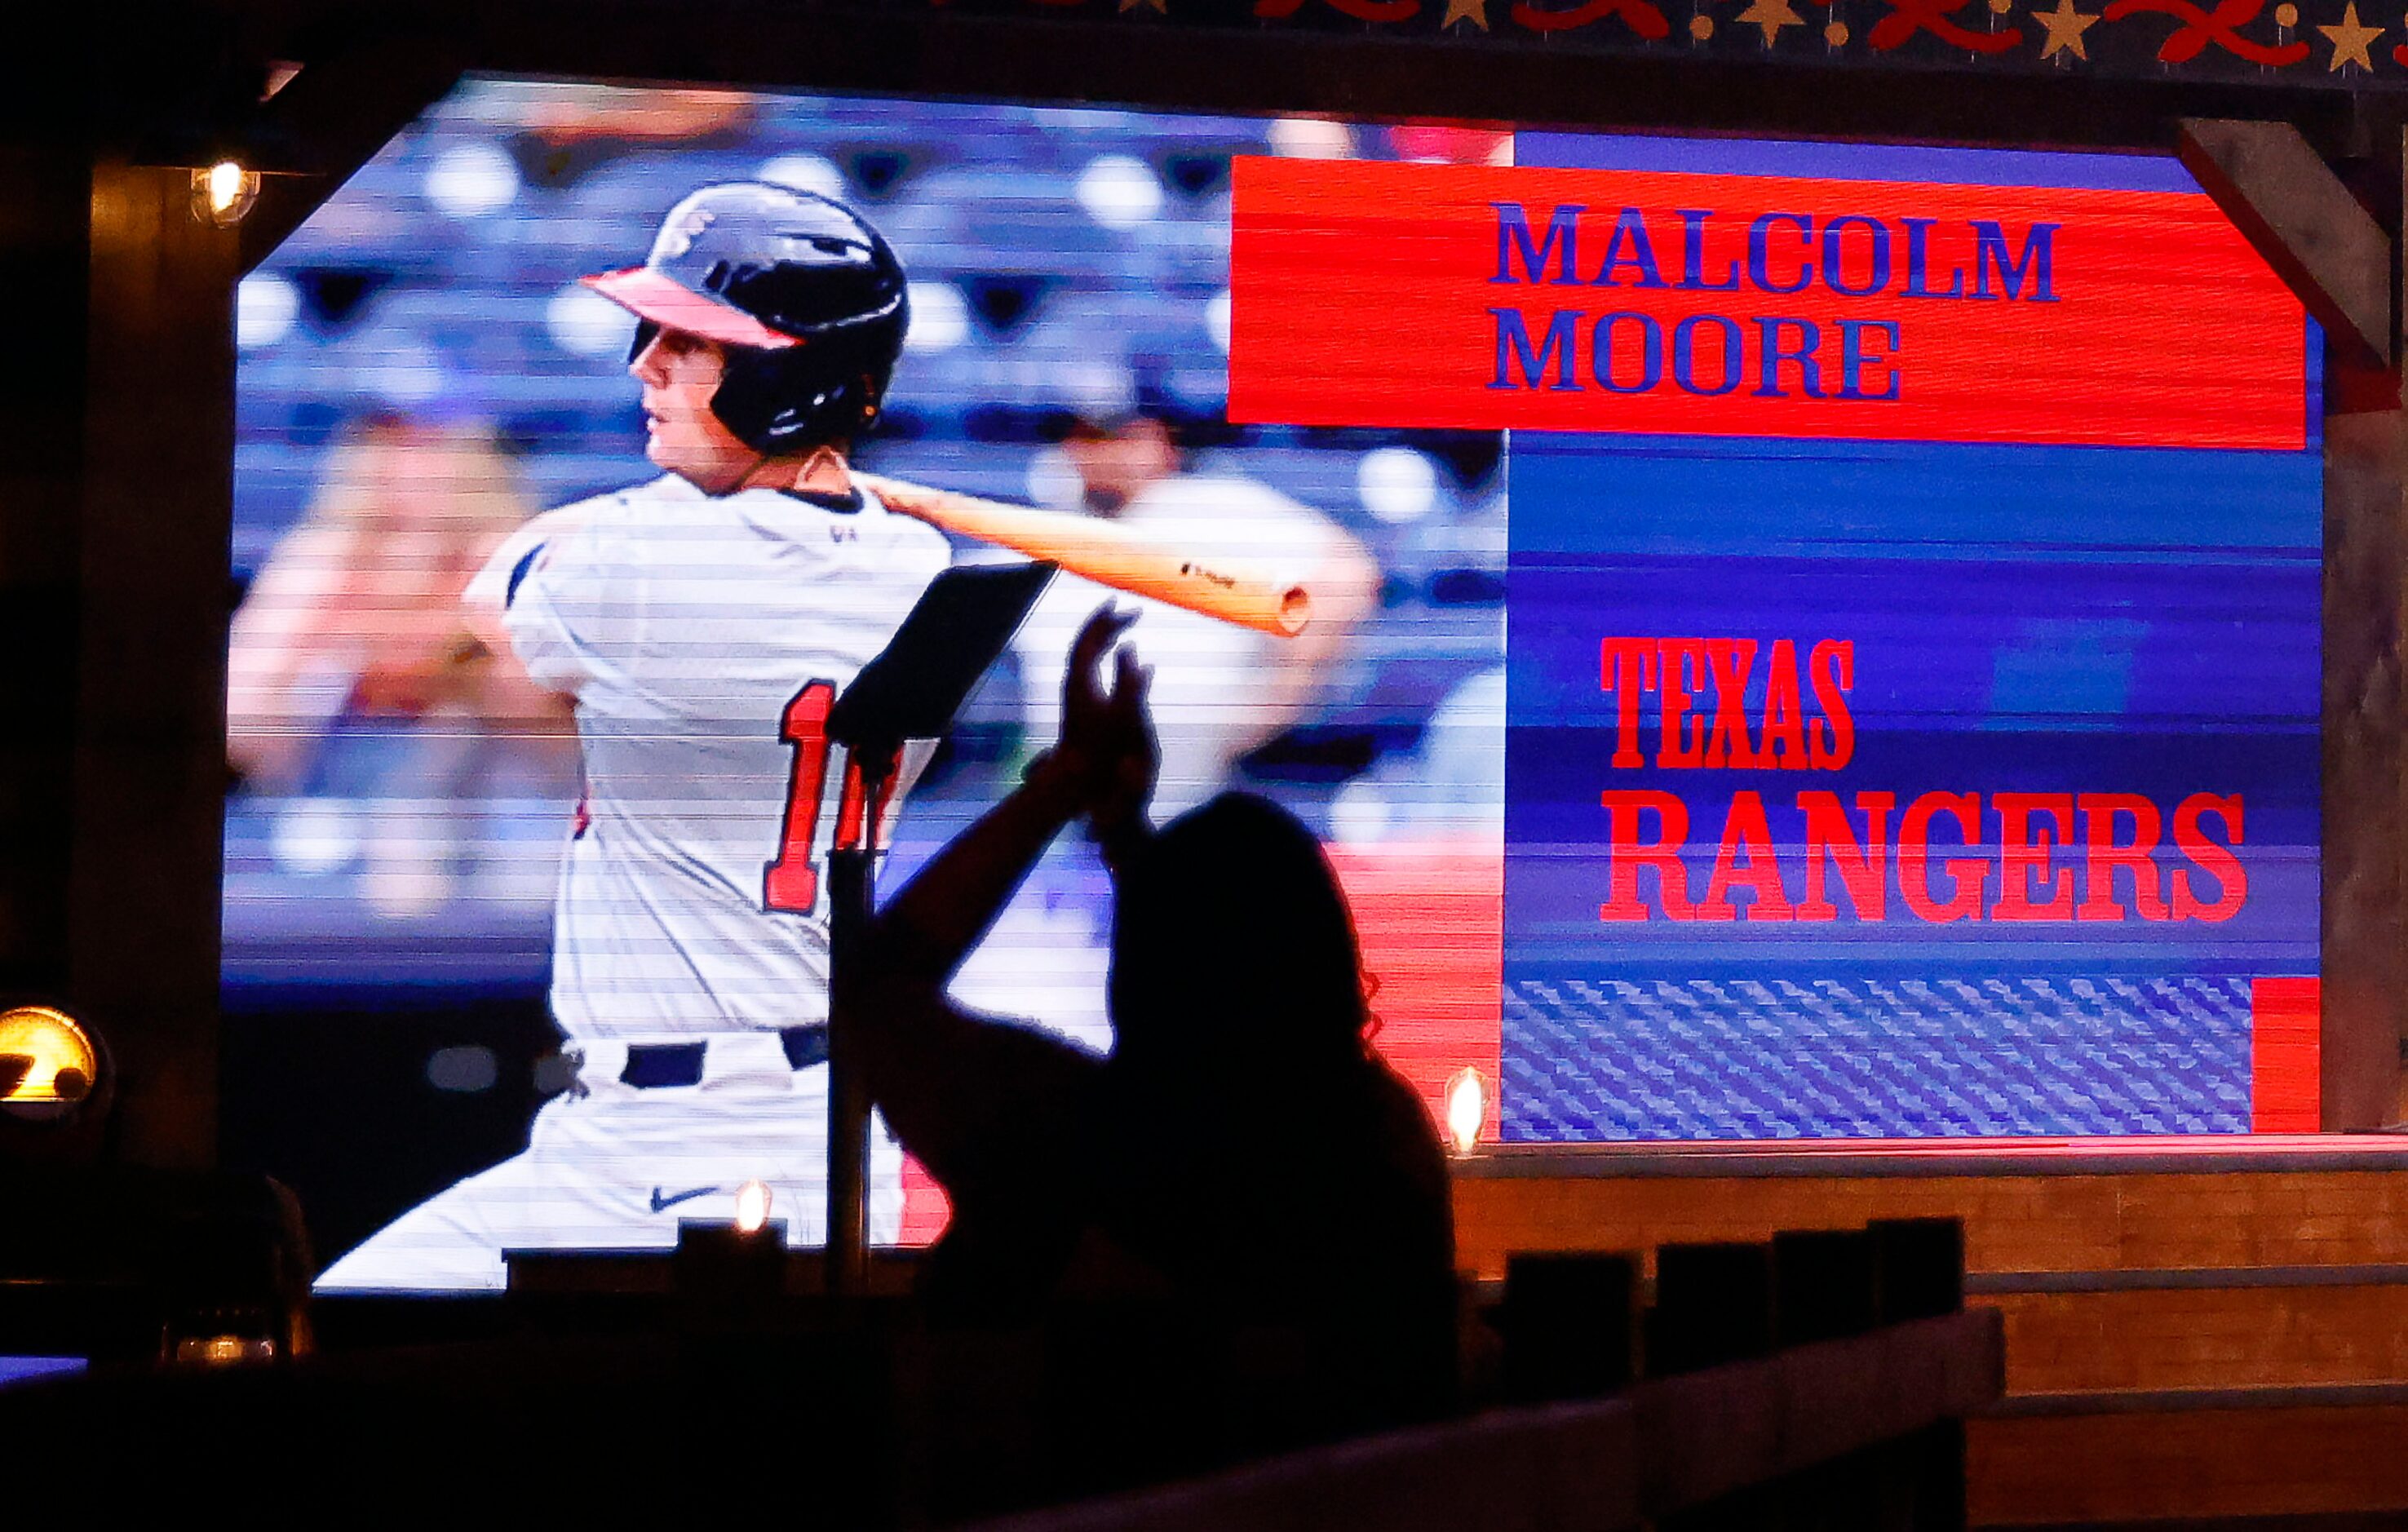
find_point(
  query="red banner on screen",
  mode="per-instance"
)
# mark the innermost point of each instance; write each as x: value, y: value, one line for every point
x: 1385, y: 295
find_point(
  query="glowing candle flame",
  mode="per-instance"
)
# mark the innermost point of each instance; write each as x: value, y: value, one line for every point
x: 1467, y: 1108
x: 752, y: 1206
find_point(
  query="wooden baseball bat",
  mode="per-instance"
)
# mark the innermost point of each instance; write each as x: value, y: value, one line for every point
x: 1097, y: 550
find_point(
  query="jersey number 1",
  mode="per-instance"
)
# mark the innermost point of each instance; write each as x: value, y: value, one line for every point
x: 792, y: 882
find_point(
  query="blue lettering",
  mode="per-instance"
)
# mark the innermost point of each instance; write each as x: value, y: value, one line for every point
x: 1834, y: 276
x: 1630, y: 227
x: 1918, y: 240
x: 1513, y: 344
x: 1693, y: 256
x: 1651, y: 353
x: 1990, y: 252
x: 1854, y: 358
x: 1683, y: 343
x: 1810, y: 374
x: 1513, y: 233
x: 1760, y: 235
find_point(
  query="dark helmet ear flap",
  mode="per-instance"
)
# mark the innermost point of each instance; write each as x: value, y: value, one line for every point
x: 788, y: 401
x: 646, y: 330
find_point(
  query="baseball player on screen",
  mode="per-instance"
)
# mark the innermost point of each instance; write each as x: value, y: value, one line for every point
x: 701, y: 623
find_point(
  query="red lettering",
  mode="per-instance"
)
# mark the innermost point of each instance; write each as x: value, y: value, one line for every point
x: 1625, y: 668
x: 1784, y: 715
x: 1626, y: 853
x: 1746, y: 830
x: 1730, y: 660
x: 791, y: 882
x: 1863, y: 868
x: 1914, y: 854
x: 1684, y: 739
x: 2024, y: 859
x: 1831, y: 670
x: 2101, y: 856
x: 2232, y: 879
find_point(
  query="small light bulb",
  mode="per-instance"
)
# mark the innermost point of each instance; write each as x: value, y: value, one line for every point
x: 223, y: 193
x: 752, y: 1206
x: 1467, y: 1109
x: 225, y: 185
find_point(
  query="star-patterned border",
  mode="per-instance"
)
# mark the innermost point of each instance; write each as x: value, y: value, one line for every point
x: 2353, y: 45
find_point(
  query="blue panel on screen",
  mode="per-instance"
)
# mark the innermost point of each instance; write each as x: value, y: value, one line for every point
x: 2072, y: 639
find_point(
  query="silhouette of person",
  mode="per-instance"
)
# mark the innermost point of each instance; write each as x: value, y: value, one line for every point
x: 1241, y: 1152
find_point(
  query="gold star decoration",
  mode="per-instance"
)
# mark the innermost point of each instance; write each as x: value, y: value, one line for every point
x: 2064, y: 26
x: 1475, y: 11
x: 2350, y: 39
x: 1772, y: 15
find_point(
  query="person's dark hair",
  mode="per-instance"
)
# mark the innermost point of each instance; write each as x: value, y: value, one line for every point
x: 1231, y: 938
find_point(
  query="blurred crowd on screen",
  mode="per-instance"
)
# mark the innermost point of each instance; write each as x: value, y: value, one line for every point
x: 346, y: 682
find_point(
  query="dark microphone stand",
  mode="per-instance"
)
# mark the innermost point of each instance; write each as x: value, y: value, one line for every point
x: 853, y: 875
x: 911, y: 691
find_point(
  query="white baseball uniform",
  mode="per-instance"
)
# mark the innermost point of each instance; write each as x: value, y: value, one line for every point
x: 702, y: 638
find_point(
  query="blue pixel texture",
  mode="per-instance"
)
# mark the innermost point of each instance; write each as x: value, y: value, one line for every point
x: 1774, y: 1058
x: 2025, y: 623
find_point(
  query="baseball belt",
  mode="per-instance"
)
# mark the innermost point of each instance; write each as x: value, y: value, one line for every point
x: 653, y: 1067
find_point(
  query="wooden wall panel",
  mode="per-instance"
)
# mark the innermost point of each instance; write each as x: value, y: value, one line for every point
x: 2212, y: 1338
x: 2206, y: 1463
x: 2022, y: 1223
x: 2365, y: 967
x: 44, y: 194
x: 150, y: 752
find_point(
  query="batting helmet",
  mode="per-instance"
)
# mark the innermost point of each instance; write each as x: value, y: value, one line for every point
x: 804, y: 295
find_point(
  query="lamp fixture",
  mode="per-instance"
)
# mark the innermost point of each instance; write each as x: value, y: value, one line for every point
x: 222, y: 1351
x: 48, y: 1063
x: 223, y: 193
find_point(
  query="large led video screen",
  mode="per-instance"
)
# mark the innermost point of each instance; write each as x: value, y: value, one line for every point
x: 1807, y: 640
